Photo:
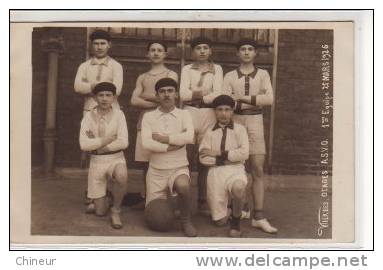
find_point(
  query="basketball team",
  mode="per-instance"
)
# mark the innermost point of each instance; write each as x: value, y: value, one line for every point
x: 221, y: 116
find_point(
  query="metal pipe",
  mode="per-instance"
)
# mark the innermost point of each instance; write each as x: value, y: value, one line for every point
x: 50, y: 121
x: 182, y: 62
x: 272, y: 112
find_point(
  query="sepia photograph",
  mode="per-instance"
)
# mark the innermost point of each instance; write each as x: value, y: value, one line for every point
x: 178, y: 132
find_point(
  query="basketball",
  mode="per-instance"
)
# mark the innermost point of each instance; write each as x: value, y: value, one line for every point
x: 159, y: 215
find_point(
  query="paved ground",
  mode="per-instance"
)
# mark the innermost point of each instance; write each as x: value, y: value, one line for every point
x: 58, y: 209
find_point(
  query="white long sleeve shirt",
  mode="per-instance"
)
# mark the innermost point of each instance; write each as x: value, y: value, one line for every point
x: 178, y: 125
x: 231, y: 141
x: 94, y: 71
x: 193, y: 78
x: 95, y: 126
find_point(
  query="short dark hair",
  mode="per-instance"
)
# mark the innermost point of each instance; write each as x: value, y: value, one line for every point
x: 100, y: 34
x: 165, y: 82
x: 104, y: 86
x: 223, y: 100
x: 246, y: 41
x: 200, y: 40
x: 158, y: 42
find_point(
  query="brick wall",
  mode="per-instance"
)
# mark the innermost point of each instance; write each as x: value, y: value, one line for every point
x: 298, y: 106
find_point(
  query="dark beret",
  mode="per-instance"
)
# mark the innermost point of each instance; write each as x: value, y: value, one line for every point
x: 199, y: 40
x: 246, y: 41
x: 99, y: 34
x: 158, y: 42
x: 165, y: 82
x: 223, y: 100
x: 104, y: 86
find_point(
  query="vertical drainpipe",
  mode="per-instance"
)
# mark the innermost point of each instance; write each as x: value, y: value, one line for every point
x: 272, y: 113
x: 182, y: 62
x: 84, y: 156
x: 53, y: 45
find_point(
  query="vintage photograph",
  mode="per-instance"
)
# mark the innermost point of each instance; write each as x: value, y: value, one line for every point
x: 181, y: 130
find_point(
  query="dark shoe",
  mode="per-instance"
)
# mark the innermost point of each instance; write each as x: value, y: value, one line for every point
x: 221, y: 222
x: 88, y: 200
x: 90, y: 209
x: 235, y: 233
x: 132, y: 199
x: 204, y: 210
x: 189, y: 229
x: 177, y: 214
x: 139, y: 206
x: 235, y: 227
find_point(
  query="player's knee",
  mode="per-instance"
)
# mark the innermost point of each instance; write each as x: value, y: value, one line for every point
x: 121, y: 175
x: 256, y: 165
x: 238, y: 189
x: 259, y: 171
x: 182, y: 185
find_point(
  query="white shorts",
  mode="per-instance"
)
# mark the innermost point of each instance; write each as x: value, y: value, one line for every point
x: 141, y: 154
x: 101, y: 168
x: 159, y: 183
x: 203, y: 119
x: 219, y: 184
x: 254, y: 127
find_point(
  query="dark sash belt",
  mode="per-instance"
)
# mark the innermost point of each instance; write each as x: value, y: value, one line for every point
x: 106, y: 153
x: 197, y: 105
x: 249, y: 112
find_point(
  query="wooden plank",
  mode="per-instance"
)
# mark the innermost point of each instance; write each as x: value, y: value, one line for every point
x: 223, y: 34
x: 188, y: 34
x: 142, y: 32
x: 170, y: 33
x: 246, y: 33
x: 130, y: 31
x: 215, y: 34
x: 209, y: 33
x: 138, y: 49
x: 115, y: 30
x: 235, y: 35
x: 255, y: 33
x: 272, y: 36
x: 262, y: 36
x: 195, y: 32
x: 156, y: 32
x: 103, y: 28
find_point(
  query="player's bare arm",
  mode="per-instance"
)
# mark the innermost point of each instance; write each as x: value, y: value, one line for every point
x: 138, y: 99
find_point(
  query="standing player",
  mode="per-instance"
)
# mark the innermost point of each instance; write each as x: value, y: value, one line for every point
x: 144, y: 96
x: 99, y: 68
x: 200, y: 83
x: 165, y: 132
x: 104, y: 135
x: 251, y: 88
x: 224, y: 149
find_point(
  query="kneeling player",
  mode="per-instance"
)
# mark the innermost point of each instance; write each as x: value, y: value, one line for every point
x: 104, y: 135
x: 225, y: 149
x: 165, y: 132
